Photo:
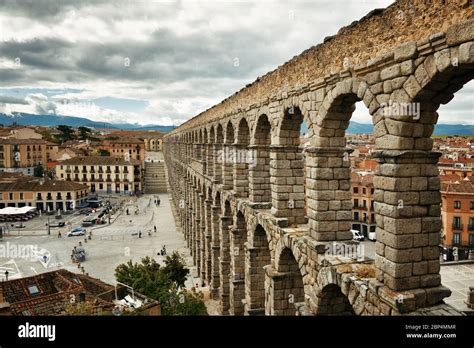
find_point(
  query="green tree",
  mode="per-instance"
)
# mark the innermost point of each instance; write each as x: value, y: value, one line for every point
x: 84, y: 132
x: 103, y: 152
x: 175, y: 268
x: 160, y: 283
x: 67, y: 133
x: 38, y: 170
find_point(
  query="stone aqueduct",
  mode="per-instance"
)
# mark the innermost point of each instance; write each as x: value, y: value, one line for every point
x: 260, y: 232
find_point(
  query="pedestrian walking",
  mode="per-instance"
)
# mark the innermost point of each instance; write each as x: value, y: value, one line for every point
x: 59, y: 234
x: 155, y: 228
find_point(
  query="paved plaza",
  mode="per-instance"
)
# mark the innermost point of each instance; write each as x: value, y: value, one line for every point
x: 110, y: 245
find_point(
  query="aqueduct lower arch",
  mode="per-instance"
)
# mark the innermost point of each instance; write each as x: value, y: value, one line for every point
x: 261, y: 255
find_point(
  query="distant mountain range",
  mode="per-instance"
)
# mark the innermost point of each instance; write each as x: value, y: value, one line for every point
x: 56, y: 120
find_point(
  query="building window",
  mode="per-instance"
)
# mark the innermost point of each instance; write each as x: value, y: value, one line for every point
x: 457, y: 204
x: 10, y: 196
x: 364, y: 191
x: 471, y: 240
x: 372, y: 191
x: 21, y: 195
x: 471, y: 224
x: 457, y: 223
x: 356, y: 190
x: 472, y: 205
x: 457, y: 238
x: 356, y: 216
x: 356, y: 203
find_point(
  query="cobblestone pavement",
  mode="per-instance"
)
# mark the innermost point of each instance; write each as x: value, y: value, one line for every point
x: 110, y: 245
x: 458, y: 278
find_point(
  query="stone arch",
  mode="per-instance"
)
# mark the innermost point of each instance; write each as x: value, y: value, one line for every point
x: 259, y: 164
x: 285, y: 288
x: 328, y: 163
x: 257, y: 257
x: 241, y: 160
x: 227, y: 157
x: 406, y: 160
x: 331, y: 301
x: 336, y: 110
x: 238, y: 238
x: 229, y: 133
x: 218, y: 153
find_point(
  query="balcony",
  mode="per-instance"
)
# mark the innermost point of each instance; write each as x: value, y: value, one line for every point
x: 117, y: 178
x: 457, y: 227
x: 108, y: 180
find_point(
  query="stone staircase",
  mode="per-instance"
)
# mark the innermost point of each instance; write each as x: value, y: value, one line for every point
x: 155, y: 177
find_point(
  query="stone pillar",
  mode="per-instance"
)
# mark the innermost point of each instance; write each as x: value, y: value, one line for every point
x: 328, y: 185
x: 202, y: 238
x: 210, y: 160
x: 204, y: 148
x: 208, y: 241
x: 224, y: 262
x: 227, y: 167
x: 238, y: 236
x: 254, y: 280
x: 287, y: 183
x: 217, y: 163
x: 215, y: 246
x: 241, y: 171
x: 282, y: 291
x: 259, y: 174
x: 407, y: 207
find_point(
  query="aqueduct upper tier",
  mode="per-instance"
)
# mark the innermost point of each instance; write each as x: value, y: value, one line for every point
x: 268, y: 222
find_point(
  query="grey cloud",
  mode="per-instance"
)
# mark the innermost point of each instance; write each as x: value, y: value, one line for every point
x: 6, y: 99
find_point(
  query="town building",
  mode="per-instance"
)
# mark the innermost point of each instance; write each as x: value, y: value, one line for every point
x: 362, y: 190
x: 58, y: 292
x: 126, y: 148
x: 457, y: 212
x: 107, y: 174
x: 44, y: 194
x: 23, y: 155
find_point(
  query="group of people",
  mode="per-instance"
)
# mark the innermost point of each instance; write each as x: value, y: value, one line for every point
x: 162, y: 252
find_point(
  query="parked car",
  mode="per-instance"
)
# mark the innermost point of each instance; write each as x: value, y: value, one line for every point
x: 59, y: 224
x: 87, y: 223
x: 20, y: 225
x: 356, y: 235
x: 77, y: 231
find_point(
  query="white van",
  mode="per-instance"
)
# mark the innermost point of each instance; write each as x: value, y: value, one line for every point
x: 372, y: 236
x: 356, y: 235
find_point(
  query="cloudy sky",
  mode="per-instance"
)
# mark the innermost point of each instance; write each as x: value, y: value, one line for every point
x: 160, y: 61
